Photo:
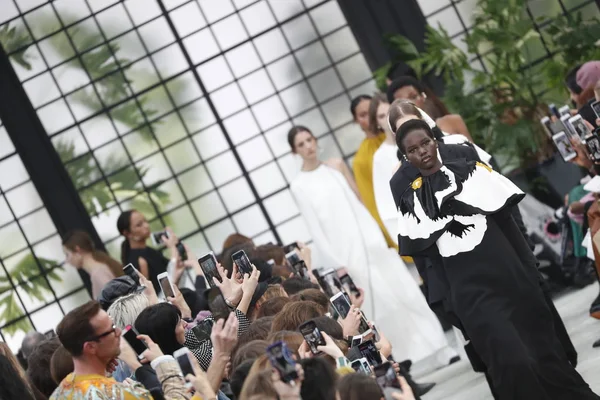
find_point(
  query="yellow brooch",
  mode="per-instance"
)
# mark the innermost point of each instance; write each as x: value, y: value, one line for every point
x: 482, y: 165
x: 417, y: 183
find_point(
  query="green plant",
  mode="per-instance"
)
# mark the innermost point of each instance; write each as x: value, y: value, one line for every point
x: 502, y: 106
x: 125, y: 184
x: 15, y: 42
x: 27, y: 275
x: 573, y: 40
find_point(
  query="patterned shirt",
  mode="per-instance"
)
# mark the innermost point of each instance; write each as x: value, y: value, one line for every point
x: 97, y: 387
x: 203, y: 350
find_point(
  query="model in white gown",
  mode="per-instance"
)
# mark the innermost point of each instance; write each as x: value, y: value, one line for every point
x: 345, y: 235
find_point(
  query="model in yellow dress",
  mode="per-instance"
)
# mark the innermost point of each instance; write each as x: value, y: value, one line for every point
x: 362, y: 166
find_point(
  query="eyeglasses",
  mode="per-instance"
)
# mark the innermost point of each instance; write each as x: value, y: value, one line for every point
x: 98, y: 337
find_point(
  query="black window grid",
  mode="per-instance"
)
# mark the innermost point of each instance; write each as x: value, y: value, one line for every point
x: 176, y: 109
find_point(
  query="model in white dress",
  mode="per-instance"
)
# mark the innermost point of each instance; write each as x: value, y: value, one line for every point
x: 345, y: 235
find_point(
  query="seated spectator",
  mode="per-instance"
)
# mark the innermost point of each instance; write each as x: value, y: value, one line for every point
x: 294, y: 314
x: 38, y: 370
x: 238, y: 377
x: 258, y: 330
x: 319, y: 380
x: 295, y: 285
x: 61, y: 364
x: 293, y: 339
x: 30, y: 342
x: 315, y: 295
x: 117, y: 288
x: 14, y: 382
x: 272, y: 307
x: 358, y: 386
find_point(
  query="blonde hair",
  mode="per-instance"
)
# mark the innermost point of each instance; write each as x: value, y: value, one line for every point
x: 126, y: 309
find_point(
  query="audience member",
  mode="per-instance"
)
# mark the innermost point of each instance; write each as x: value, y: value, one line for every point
x: 38, y: 370
x: 295, y: 285
x: 272, y: 307
x: 294, y: 314
x: 81, y: 253
x: 30, y: 342
x: 14, y: 382
x: 61, y: 364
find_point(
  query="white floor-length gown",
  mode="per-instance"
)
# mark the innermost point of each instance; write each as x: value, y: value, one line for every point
x: 345, y: 235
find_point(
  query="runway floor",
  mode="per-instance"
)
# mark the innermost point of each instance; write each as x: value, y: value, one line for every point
x: 459, y: 382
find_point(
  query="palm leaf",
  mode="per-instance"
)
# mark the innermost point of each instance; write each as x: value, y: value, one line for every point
x: 15, y: 42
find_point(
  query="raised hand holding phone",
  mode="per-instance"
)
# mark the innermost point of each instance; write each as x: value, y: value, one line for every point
x: 199, y: 381
x: 230, y: 288
x: 351, y: 324
x: 287, y: 391
x: 224, y: 336
x: 178, y: 301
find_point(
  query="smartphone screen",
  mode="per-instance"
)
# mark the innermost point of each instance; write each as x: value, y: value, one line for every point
x: 203, y: 330
x: 596, y: 108
x: 356, y: 340
x: 301, y: 270
x: 369, y: 351
x: 130, y: 271
x: 386, y: 376
x: 165, y: 285
x: 208, y: 263
x: 183, y: 359
x: 136, y: 344
x: 349, y: 285
x: 593, y: 146
x: 293, y: 257
x: 312, y: 335
x: 564, y: 146
x: 290, y: 247
x: 361, y: 365
x: 157, y: 237
x: 341, y: 305
x: 281, y: 359
x: 580, y: 127
x: 243, y: 262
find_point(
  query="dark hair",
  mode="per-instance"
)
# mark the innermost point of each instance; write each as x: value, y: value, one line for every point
x: 61, y: 364
x: 410, y: 126
x: 359, y: 387
x: 124, y: 224
x: 319, y: 380
x: 272, y: 306
x: 330, y: 327
x: 83, y: 241
x: 238, y: 377
x: 13, y: 385
x: 399, y: 69
x: 295, y: 285
x: 571, y: 80
x: 378, y: 98
x: 356, y: 101
x: 38, y: 371
x: 250, y: 351
x: 294, y: 314
x: 75, y: 328
x: 159, y: 322
x: 401, y: 82
x: 235, y: 239
x: 258, y: 330
x: 313, y: 295
x: 292, y: 133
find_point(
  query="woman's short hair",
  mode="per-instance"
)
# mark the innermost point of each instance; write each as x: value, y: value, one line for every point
x: 320, y: 379
x: 359, y: 387
x: 126, y: 309
x: 61, y: 364
x: 159, y: 322
x: 313, y: 295
x: 294, y: 314
x: 272, y: 307
x: 295, y: 285
x: 250, y: 351
x: 410, y: 126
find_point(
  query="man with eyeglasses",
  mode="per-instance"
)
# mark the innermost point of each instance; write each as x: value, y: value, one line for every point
x: 90, y: 336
